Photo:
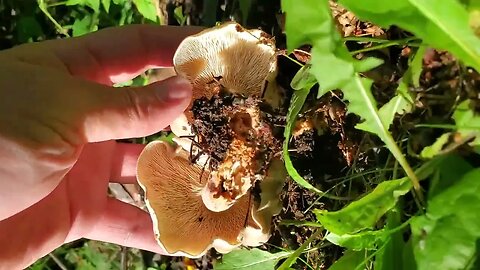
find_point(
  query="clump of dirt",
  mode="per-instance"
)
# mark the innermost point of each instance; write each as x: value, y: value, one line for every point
x: 212, y: 126
x: 239, y: 139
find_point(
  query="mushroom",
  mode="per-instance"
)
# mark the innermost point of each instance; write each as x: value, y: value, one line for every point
x: 241, y: 62
x: 220, y: 187
x: 183, y: 225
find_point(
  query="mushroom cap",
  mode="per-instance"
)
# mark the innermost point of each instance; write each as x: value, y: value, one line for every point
x: 183, y: 225
x: 238, y: 58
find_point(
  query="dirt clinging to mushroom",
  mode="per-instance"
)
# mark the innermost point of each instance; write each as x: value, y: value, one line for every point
x: 239, y: 139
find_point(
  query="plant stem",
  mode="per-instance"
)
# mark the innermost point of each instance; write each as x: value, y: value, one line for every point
x: 385, y: 45
x: 61, y: 3
x: 292, y: 258
x: 57, y: 261
x: 43, y: 8
x: 293, y: 60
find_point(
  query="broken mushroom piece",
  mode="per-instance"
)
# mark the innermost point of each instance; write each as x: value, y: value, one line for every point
x: 229, y: 68
x: 182, y: 224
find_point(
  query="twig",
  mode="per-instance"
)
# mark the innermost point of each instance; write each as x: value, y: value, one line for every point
x: 124, y: 258
x: 57, y: 261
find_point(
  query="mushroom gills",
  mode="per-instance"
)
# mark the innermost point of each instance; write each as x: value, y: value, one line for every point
x: 182, y: 224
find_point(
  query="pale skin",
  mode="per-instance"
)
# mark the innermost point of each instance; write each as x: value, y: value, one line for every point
x: 59, y: 118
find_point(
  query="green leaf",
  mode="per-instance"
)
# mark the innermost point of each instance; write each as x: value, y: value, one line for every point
x: 362, y: 103
x: 365, y: 212
x: 306, y: 22
x: 147, y: 9
x: 253, y: 259
x: 367, y: 64
x: 467, y: 122
x: 303, y: 79
x: 416, y: 66
x: 450, y: 169
x: 408, y: 258
x: 445, y: 238
x: 359, y: 241
x: 310, y: 21
x: 434, y: 149
x: 83, y: 26
x: 444, y: 26
x: 93, y: 4
x: 179, y: 16
x: 294, y: 256
x: 349, y: 260
x: 300, y: 223
x: 106, y: 5
x: 296, y: 104
x: 325, y: 63
x: 387, y: 257
x: 75, y: 2
x: 28, y: 29
x: 399, y: 104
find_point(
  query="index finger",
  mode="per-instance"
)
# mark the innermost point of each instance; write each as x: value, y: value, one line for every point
x: 116, y: 54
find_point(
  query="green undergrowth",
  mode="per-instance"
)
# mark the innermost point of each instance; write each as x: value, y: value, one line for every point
x: 424, y: 214
x: 376, y: 231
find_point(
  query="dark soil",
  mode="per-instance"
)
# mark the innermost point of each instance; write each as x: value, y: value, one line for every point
x: 213, y: 126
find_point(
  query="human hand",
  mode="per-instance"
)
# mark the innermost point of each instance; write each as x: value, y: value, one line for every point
x: 58, y: 116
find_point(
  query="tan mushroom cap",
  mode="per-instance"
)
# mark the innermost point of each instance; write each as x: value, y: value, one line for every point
x: 182, y: 224
x: 240, y: 59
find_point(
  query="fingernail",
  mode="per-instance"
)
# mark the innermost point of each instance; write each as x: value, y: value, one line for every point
x: 179, y: 88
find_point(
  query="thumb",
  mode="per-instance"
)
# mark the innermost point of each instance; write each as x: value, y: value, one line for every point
x: 131, y: 112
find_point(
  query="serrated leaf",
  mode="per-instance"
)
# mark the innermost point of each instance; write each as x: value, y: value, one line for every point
x: 349, y: 260
x: 83, y: 26
x: 367, y: 64
x: 445, y: 238
x: 310, y: 21
x: 399, y: 104
x: 106, y: 5
x: 307, y: 22
x: 147, y: 9
x: 365, y: 212
x: 94, y: 4
x: 325, y: 63
x: 444, y: 26
x: 253, y: 259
